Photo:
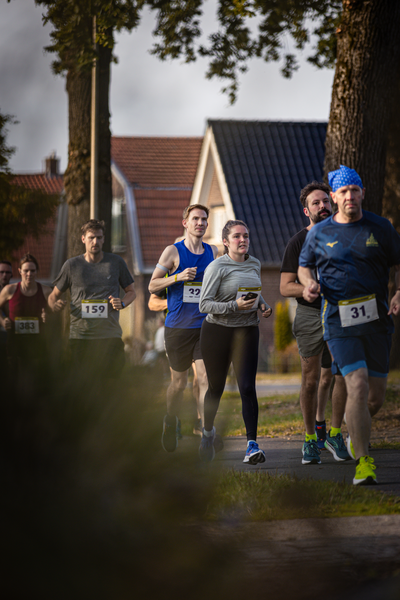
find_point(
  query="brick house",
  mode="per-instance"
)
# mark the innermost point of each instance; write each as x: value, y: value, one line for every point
x: 50, y: 249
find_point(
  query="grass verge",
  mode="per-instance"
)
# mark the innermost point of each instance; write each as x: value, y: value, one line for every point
x: 262, y: 497
x: 280, y: 415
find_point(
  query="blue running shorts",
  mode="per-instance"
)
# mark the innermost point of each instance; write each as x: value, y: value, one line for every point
x: 367, y: 351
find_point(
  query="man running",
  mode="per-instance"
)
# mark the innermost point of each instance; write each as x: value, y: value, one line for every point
x: 316, y: 375
x: 5, y: 273
x: 353, y: 251
x: 185, y: 263
x: 5, y: 276
x: 94, y: 280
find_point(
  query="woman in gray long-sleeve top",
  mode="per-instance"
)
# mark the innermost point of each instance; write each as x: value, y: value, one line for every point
x: 231, y: 295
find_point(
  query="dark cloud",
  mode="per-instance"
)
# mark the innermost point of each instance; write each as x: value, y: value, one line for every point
x: 147, y: 97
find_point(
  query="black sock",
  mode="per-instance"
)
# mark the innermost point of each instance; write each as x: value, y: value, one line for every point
x: 320, y: 422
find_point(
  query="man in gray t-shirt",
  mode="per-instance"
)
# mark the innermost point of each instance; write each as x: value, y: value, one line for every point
x: 94, y: 280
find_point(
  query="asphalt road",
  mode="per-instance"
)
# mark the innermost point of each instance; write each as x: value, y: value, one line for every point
x: 284, y: 456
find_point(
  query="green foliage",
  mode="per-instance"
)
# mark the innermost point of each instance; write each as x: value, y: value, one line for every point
x: 238, y: 40
x: 176, y: 21
x: 282, y: 326
x: 72, y: 37
x: 23, y: 212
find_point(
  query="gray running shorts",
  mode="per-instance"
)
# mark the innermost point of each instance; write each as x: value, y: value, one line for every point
x: 307, y: 329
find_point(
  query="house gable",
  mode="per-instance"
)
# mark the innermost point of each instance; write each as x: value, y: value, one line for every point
x: 259, y: 168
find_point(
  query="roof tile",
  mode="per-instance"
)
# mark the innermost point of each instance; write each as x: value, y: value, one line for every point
x: 266, y: 164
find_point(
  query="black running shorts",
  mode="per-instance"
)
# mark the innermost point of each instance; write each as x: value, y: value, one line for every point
x: 182, y: 347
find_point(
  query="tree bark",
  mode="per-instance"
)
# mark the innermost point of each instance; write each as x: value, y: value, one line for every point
x: 77, y: 175
x: 391, y: 204
x: 368, y: 54
x: 104, y: 141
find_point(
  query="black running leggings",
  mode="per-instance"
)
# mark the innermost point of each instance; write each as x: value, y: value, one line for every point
x: 221, y: 346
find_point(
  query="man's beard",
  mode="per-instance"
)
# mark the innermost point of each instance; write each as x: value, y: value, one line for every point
x: 321, y: 216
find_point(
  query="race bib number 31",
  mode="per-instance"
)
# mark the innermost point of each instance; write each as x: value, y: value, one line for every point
x: 26, y: 325
x: 94, y: 309
x: 358, y: 311
x: 192, y: 291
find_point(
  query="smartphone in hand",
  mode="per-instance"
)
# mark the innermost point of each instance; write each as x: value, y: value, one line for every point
x: 250, y: 296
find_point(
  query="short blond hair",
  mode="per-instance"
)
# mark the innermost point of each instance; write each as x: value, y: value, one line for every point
x: 191, y: 207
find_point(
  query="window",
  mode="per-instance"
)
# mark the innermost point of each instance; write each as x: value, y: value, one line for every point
x: 118, y: 225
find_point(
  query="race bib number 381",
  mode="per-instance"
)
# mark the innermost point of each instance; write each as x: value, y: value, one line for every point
x: 94, y: 309
x: 192, y: 291
x: 358, y: 311
x: 26, y: 325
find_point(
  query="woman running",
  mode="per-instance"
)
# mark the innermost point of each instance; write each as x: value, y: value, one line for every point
x: 26, y: 301
x: 231, y: 295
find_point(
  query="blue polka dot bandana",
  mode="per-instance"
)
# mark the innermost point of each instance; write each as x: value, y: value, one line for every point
x: 344, y: 176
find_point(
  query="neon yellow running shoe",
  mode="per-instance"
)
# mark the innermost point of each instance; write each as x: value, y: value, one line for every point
x: 350, y: 447
x: 365, y: 472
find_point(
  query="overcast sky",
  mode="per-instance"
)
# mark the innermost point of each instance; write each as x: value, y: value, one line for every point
x: 147, y: 97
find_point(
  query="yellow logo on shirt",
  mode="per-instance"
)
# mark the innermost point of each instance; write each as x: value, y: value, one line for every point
x: 331, y: 244
x: 371, y: 241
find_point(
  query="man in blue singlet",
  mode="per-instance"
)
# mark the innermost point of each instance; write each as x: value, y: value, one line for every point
x: 353, y: 251
x: 185, y: 263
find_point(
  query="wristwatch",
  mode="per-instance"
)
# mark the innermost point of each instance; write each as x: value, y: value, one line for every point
x: 123, y: 304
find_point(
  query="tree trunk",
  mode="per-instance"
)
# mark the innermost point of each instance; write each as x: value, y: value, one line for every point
x: 368, y: 54
x: 391, y: 205
x: 77, y: 175
x: 104, y: 141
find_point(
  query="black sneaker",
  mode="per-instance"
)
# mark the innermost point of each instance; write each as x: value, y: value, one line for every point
x: 169, y: 438
x: 320, y: 430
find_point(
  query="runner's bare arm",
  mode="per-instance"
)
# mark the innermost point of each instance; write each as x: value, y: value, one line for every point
x: 54, y: 300
x: 5, y: 295
x: 311, y: 287
x: 289, y: 287
x: 394, y: 308
x: 156, y: 304
x: 129, y: 297
x: 169, y: 259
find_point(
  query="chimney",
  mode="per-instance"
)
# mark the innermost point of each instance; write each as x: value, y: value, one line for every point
x: 52, y: 165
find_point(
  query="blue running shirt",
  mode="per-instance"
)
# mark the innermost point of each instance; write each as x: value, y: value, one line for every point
x: 186, y: 315
x: 353, y: 261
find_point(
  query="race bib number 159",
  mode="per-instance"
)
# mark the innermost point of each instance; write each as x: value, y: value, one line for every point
x: 94, y: 309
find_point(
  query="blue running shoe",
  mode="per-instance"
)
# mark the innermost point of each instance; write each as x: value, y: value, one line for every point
x: 254, y: 454
x: 311, y: 453
x: 336, y: 445
x: 169, y: 438
x: 206, y: 448
x: 320, y: 430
